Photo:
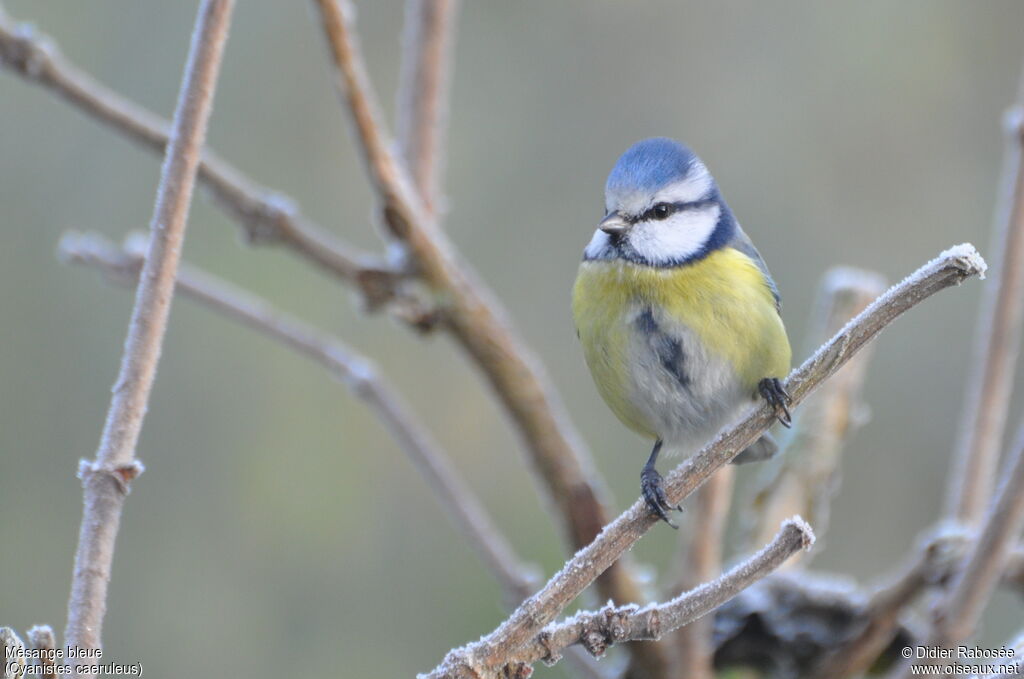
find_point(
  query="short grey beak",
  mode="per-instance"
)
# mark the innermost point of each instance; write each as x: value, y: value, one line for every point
x: 613, y: 224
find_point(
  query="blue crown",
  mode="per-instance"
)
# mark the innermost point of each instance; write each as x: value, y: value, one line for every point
x: 649, y: 165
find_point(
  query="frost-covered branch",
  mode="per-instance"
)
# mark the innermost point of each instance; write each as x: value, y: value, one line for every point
x: 599, y: 630
x: 950, y: 268
x: 107, y: 478
x: 972, y: 475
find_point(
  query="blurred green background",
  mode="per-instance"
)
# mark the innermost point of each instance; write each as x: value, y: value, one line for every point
x: 278, y: 530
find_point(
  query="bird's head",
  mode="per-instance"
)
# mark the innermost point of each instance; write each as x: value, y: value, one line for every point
x: 662, y: 208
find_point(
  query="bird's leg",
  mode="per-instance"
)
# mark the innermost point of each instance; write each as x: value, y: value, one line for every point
x: 773, y: 392
x: 653, y: 488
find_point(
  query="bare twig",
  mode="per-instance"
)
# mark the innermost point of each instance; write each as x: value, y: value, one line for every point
x: 106, y: 479
x: 473, y: 315
x: 956, y: 615
x: 423, y: 93
x: 996, y: 345
x: 805, y: 478
x: 702, y: 562
x: 950, y: 268
x: 266, y: 217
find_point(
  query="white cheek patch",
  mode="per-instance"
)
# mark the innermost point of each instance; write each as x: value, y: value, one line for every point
x: 674, y: 239
x: 694, y: 187
x: 597, y: 245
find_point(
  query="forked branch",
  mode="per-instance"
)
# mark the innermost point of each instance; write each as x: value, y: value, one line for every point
x: 597, y: 631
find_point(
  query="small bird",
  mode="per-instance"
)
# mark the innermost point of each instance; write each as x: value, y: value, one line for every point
x: 676, y: 311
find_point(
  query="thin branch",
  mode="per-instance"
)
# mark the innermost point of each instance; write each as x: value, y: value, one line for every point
x: 702, y: 562
x: 806, y: 477
x: 950, y: 268
x: 423, y: 93
x: 597, y: 631
x: 359, y: 374
x: 956, y: 615
x: 106, y: 479
x: 266, y: 217
x: 972, y: 475
x: 473, y: 315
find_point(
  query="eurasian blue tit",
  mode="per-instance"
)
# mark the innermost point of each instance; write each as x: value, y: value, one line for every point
x: 676, y: 311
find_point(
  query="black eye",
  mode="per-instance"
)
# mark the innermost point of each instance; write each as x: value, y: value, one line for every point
x: 661, y: 210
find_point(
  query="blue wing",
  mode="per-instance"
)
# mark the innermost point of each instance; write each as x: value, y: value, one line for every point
x: 741, y: 241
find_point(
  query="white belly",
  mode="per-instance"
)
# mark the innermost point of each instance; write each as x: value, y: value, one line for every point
x: 688, y: 401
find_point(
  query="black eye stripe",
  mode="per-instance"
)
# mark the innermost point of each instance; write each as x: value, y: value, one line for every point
x: 658, y: 213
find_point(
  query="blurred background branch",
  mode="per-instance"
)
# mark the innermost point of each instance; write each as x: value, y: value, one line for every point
x: 805, y: 477
x: 957, y: 613
x: 972, y: 476
x: 267, y: 217
x: 425, y: 80
x: 700, y: 562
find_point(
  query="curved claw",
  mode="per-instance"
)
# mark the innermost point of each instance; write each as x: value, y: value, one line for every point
x: 778, y: 398
x: 653, y: 488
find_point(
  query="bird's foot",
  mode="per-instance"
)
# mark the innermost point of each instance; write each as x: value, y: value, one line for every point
x: 773, y: 392
x: 653, y: 488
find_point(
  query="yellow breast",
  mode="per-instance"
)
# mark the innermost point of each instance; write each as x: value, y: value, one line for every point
x: 723, y: 299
